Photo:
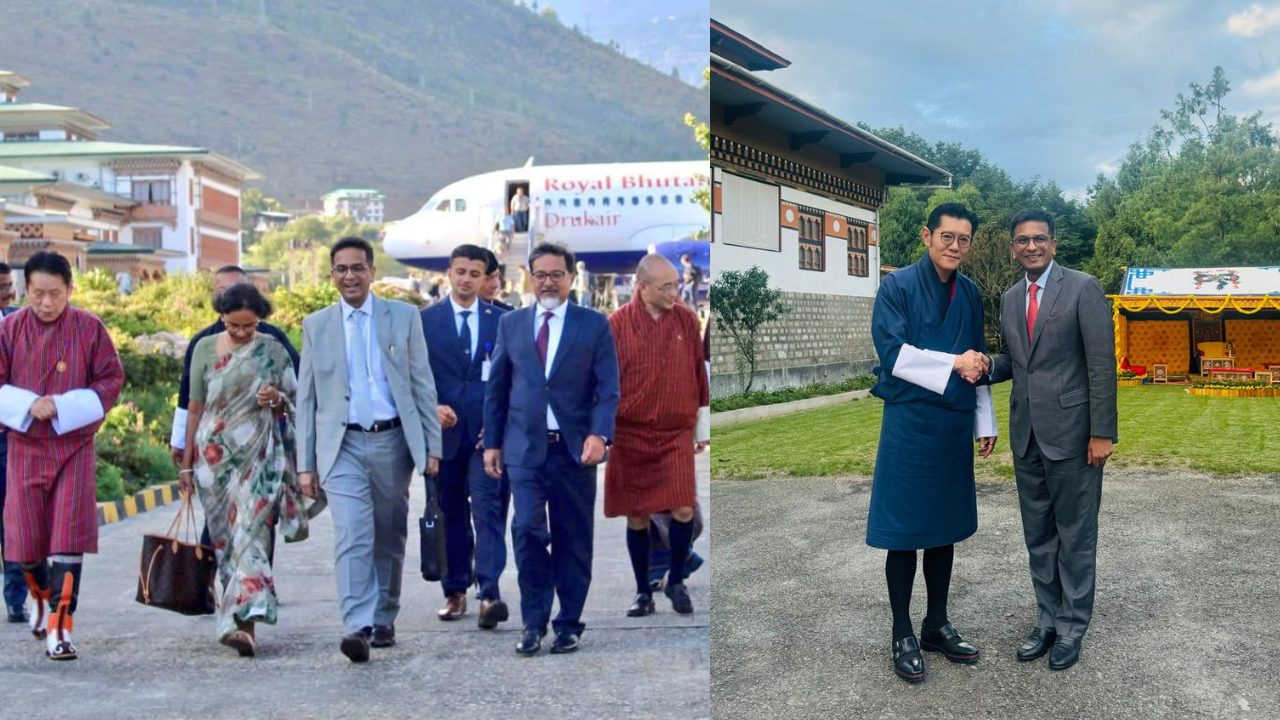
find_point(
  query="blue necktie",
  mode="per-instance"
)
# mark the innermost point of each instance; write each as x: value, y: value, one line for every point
x: 362, y: 400
x: 465, y: 334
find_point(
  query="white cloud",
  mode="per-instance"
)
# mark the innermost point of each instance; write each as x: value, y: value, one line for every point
x: 1254, y: 21
x: 1264, y: 85
x: 1108, y: 168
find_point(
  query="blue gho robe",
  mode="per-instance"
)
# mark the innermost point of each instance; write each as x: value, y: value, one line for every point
x: 923, y: 494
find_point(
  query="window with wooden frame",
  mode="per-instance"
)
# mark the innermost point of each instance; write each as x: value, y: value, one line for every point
x: 813, y: 240
x: 859, y: 266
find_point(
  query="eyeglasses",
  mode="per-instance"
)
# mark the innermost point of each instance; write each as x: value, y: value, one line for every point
x: 950, y: 239
x: 668, y: 289
x: 556, y: 276
x: 1023, y: 240
x: 341, y: 270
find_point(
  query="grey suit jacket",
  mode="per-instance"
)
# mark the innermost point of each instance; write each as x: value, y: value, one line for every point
x: 1064, y: 383
x: 323, y: 395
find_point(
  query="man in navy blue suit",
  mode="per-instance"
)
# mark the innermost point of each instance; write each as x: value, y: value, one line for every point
x: 461, y: 331
x: 548, y: 417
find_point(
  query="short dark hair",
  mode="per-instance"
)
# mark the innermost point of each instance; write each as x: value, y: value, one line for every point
x: 955, y: 210
x: 243, y: 296
x: 4, y: 268
x: 469, y: 252
x: 351, y: 241
x: 1031, y: 215
x: 547, y: 248
x: 490, y: 262
x: 49, y: 263
x: 228, y: 269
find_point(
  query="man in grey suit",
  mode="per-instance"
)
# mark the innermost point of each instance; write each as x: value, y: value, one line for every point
x: 1059, y: 350
x: 366, y: 419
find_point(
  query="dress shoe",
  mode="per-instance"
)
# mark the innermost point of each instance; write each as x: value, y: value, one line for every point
x: 356, y: 646
x: 454, y: 607
x: 948, y: 642
x: 1037, y: 644
x: 384, y: 636
x: 530, y: 641
x: 680, y: 601
x: 240, y: 641
x: 643, y: 605
x: 1065, y: 653
x: 907, y: 662
x: 566, y: 642
x: 491, y: 613
x: 17, y: 614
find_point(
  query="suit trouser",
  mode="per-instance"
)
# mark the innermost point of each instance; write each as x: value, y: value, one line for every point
x: 368, y: 491
x: 564, y: 494
x: 15, y: 587
x: 467, y: 496
x: 1059, y: 500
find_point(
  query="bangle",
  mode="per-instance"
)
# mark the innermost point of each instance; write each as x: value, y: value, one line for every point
x: 185, y: 472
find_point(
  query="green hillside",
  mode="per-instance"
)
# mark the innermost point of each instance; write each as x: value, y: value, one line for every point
x: 400, y: 95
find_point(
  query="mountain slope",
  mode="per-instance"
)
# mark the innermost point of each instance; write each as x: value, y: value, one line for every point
x: 404, y: 96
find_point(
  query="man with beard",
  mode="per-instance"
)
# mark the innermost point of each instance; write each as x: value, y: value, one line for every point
x: 548, y: 417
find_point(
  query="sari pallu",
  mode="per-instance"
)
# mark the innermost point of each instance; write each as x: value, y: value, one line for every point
x: 245, y: 471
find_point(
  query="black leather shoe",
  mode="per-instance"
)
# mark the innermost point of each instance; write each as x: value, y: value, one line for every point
x: 530, y: 641
x: 17, y: 614
x: 566, y: 642
x: 907, y: 662
x: 948, y: 642
x: 356, y: 646
x: 680, y: 601
x: 1065, y: 653
x: 1037, y: 644
x: 642, y: 606
x: 384, y: 636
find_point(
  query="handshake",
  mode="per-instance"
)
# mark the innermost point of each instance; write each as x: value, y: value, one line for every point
x: 972, y: 365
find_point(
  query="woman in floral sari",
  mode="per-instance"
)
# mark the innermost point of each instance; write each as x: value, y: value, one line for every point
x: 240, y: 456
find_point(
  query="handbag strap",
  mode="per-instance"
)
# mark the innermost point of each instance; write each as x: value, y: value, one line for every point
x: 185, y: 509
x: 144, y: 581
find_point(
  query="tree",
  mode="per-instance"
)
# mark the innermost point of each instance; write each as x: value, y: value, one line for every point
x: 252, y: 202
x: 742, y: 302
x: 300, y: 250
x: 702, y: 134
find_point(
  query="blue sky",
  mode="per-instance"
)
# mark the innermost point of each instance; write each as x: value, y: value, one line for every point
x: 1055, y: 88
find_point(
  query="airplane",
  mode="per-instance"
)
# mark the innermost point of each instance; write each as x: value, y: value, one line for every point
x: 609, y: 215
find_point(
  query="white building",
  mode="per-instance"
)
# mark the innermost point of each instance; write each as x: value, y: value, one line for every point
x: 181, y: 202
x: 797, y: 192
x: 362, y: 205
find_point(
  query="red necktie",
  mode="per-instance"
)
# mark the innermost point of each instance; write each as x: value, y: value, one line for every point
x: 544, y: 337
x: 1033, y: 309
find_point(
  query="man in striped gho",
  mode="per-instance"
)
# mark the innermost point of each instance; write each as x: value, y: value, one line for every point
x: 59, y: 374
x: 663, y: 419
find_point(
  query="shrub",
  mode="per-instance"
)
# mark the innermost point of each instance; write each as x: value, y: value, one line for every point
x: 110, y: 482
x: 291, y: 306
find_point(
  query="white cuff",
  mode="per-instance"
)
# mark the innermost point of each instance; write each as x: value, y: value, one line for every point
x: 15, y: 407
x: 77, y: 409
x: 929, y: 369
x: 984, y: 416
x: 178, y: 438
x: 702, y: 431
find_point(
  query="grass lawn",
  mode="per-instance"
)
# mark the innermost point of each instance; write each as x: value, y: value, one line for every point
x: 1159, y: 426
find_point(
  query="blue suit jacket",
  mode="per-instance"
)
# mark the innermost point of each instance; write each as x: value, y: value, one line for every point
x: 458, y: 382
x: 582, y: 388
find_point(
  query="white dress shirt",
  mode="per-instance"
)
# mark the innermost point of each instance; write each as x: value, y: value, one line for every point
x: 555, y: 329
x: 384, y: 406
x: 473, y: 321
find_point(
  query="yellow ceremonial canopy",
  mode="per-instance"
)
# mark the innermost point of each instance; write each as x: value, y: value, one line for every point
x: 1175, y: 316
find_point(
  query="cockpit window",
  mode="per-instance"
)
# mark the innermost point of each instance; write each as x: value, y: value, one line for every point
x: 443, y: 206
x: 459, y: 205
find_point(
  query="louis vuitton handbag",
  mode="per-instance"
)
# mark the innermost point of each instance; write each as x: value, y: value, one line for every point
x: 176, y: 575
x: 431, y: 527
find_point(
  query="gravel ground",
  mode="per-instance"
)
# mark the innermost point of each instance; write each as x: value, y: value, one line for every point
x: 139, y: 662
x: 1187, y: 596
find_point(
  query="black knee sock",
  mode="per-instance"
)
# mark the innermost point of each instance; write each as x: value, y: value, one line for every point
x: 900, y: 572
x: 681, y: 537
x: 638, y: 549
x: 40, y: 571
x: 937, y: 578
x: 66, y: 572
